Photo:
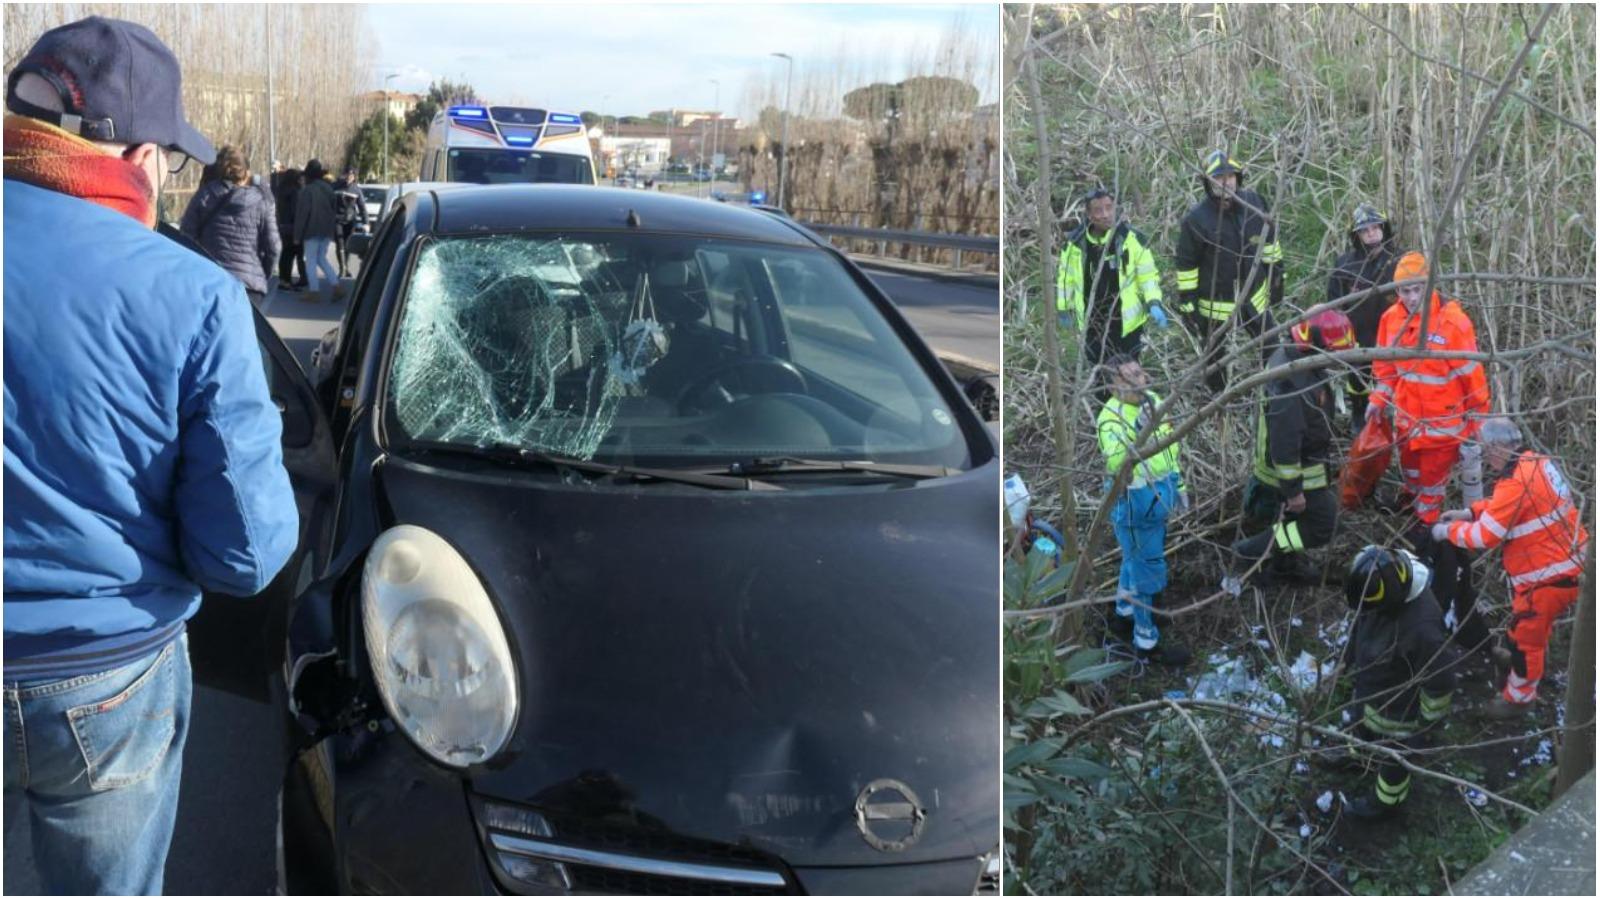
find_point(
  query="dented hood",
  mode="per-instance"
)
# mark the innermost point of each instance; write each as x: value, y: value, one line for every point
x: 738, y: 666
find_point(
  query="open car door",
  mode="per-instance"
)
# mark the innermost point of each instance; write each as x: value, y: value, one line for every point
x: 236, y: 643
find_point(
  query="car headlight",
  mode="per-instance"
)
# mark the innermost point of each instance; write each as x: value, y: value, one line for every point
x: 439, y: 653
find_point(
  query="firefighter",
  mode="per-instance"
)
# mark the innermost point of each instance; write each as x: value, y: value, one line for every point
x: 1107, y: 282
x: 1289, y: 503
x: 1404, y: 666
x: 1532, y: 512
x: 1154, y: 491
x: 1431, y: 404
x: 1368, y: 263
x: 1229, y: 262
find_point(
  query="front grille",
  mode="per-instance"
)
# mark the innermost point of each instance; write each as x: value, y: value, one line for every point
x: 597, y: 880
x: 629, y: 839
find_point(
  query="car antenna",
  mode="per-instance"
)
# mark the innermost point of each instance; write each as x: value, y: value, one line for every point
x: 633, y: 218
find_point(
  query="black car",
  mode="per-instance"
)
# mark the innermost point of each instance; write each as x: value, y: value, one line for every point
x: 658, y: 555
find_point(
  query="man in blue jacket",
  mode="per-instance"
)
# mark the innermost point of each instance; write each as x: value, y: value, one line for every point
x: 142, y: 457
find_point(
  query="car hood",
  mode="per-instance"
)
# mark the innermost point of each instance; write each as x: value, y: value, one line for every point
x: 737, y: 666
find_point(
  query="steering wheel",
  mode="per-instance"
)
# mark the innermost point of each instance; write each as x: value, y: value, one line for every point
x: 774, y: 374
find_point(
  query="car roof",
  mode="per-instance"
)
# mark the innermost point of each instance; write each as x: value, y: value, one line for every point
x: 511, y: 207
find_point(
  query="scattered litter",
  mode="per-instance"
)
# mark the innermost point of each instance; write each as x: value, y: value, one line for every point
x: 1305, y: 831
x: 1296, y: 622
x: 1300, y: 767
x: 1518, y: 857
x: 1325, y: 802
x: 1230, y: 680
x: 1476, y: 797
x: 1176, y: 695
x: 1561, y: 714
x: 1273, y: 740
x: 1216, y: 659
x: 1344, y: 716
x: 1450, y: 618
x: 1257, y: 629
x: 1306, y: 671
x: 1541, y: 756
x: 1232, y: 585
x: 1263, y: 643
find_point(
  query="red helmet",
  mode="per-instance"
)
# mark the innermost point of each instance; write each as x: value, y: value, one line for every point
x: 1327, y: 330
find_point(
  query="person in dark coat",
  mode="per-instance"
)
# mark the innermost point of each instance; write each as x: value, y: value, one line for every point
x: 1369, y: 262
x: 290, y: 181
x: 352, y: 212
x: 234, y: 220
x: 316, y: 224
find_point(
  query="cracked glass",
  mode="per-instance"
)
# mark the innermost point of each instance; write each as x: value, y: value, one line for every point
x: 657, y: 350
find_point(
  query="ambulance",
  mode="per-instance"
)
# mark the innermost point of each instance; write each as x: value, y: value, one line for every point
x: 507, y: 145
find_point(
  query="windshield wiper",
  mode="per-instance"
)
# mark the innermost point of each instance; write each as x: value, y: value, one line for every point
x: 513, y: 453
x: 762, y: 465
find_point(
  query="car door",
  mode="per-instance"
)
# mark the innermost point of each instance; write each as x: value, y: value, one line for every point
x: 236, y: 643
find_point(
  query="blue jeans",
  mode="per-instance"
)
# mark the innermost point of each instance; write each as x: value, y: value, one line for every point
x: 1140, y: 521
x: 98, y: 758
x: 318, y: 263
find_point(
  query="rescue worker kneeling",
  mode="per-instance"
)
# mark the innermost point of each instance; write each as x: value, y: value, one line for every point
x: 1404, y: 666
x: 1289, y: 505
x: 1155, y: 490
x: 1533, y: 513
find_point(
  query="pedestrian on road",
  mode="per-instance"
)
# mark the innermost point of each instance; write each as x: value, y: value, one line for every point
x: 1154, y: 492
x: 1230, y: 267
x: 235, y: 222
x: 1533, y: 513
x: 142, y: 453
x: 352, y: 211
x: 1107, y: 283
x: 287, y: 195
x: 1368, y: 263
x: 316, y: 225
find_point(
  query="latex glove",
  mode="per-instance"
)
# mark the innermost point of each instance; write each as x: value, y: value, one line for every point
x: 1067, y: 320
x: 1441, y: 532
x: 1456, y: 515
x: 1159, y: 316
x: 1296, y: 504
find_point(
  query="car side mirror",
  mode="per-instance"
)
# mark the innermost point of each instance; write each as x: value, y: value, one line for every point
x: 983, y: 392
x: 358, y: 242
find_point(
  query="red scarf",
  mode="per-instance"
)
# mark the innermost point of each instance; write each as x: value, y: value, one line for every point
x: 43, y: 155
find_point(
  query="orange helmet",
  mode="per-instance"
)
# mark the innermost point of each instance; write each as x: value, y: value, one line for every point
x: 1327, y: 330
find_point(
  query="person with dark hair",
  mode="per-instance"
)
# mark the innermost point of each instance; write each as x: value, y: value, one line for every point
x: 1154, y: 491
x: 1368, y: 263
x: 352, y: 211
x: 1107, y: 284
x: 143, y: 454
x: 235, y: 222
x: 316, y: 224
x: 290, y: 181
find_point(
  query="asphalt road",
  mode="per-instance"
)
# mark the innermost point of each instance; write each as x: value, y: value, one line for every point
x: 224, y: 841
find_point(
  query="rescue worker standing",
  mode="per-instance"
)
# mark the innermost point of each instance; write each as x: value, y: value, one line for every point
x: 1229, y: 262
x: 1289, y: 505
x: 1533, y: 514
x: 1404, y: 666
x: 1430, y: 403
x: 1107, y: 282
x: 1369, y: 262
x: 1154, y: 491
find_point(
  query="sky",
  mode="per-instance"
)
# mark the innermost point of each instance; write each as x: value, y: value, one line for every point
x: 631, y: 59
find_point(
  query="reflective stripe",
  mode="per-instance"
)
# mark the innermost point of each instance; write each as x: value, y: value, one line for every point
x: 1188, y: 279
x: 1216, y: 309
x: 1379, y: 723
x: 1564, y: 567
x: 1555, y: 517
x: 1434, y: 708
x: 1490, y: 523
x: 1393, y: 794
x: 1420, y: 378
x: 1272, y: 253
x: 1259, y: 298
x: 1287, y: 536
x: 1519, y: 690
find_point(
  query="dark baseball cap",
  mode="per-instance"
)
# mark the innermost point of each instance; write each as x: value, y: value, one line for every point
x: 118, y: 83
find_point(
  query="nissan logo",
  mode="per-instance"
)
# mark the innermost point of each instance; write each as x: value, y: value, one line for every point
x: 889, y: 815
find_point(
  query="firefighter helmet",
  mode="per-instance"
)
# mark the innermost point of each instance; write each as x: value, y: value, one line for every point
x: 1326, y: 330
x: 1218, y: 162
x: 1367, y: 214
x: 1378, y: 579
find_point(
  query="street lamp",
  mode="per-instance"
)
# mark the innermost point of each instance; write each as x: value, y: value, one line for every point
x: 386, y: 80
x: 783, y: 160
x: 716, y: 131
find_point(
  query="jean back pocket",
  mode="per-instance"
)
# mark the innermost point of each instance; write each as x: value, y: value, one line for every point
x: 125, y: 737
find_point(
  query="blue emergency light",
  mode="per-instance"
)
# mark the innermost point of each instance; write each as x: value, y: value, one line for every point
x: 519, y: 139
x: 564, y: 119
x: 758, y: 197
x: 475, y: 112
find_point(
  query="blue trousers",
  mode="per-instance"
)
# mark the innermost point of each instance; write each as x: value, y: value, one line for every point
x: 99, y: 758
x: 1140, y: 521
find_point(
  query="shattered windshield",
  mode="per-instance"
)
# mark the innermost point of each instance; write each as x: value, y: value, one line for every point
x: 660, y: 350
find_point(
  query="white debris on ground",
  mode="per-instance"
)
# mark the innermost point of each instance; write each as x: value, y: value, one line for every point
x: 1542, y: 756
x: 1296, y: 622
x: 1230, y: 680
x: 1325, y: 801
x: 1476, y: 797
x: 1335, y: 633
x: 1305, y: 672
x: 1518, y: 857
x: 1305, y: 831
x: 1300, y: 767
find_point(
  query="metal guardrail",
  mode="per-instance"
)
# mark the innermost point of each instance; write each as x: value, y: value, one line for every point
x: 960, y: 243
